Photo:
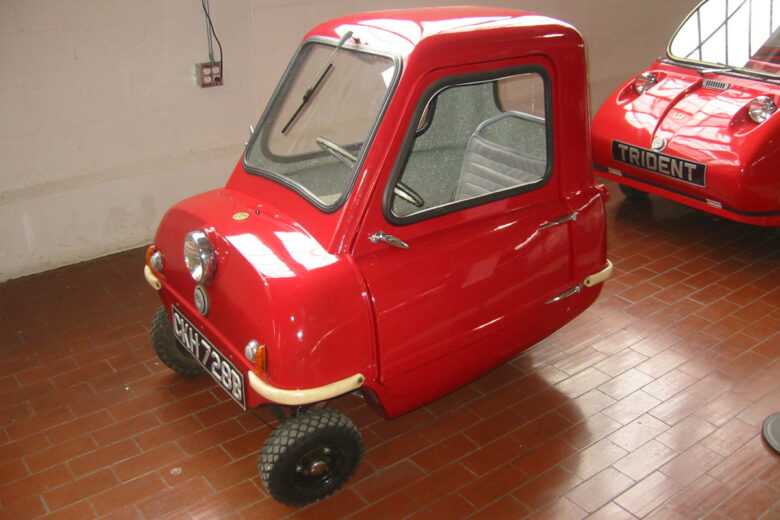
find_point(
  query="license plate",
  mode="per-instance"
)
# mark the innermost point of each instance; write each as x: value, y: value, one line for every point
x: 660, y: 163
x: 220, y: 367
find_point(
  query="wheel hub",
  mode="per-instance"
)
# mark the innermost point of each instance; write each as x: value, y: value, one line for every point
x: 316, y: 463
x: 318, y: 468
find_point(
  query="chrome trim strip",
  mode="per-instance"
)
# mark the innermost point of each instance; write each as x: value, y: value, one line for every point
x: 307, y: 395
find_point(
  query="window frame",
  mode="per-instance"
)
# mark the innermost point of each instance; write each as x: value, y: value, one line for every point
x: 428, y: 97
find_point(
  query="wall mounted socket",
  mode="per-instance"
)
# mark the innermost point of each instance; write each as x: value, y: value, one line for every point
x: 209, y: 74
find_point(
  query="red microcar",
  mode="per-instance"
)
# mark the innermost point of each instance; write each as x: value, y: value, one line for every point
x: 699, y: 126
x: 415, y: 207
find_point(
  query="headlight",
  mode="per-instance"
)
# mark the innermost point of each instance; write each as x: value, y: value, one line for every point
x: 644, y: 81
x: 199, y: 257
x: 761, y: 108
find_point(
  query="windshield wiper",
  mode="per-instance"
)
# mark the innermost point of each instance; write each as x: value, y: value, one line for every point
x: 738, y: 71
x: 311, y: 90
x: 721, y: 69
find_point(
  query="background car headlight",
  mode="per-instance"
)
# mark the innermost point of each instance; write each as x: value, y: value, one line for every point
x: 761, y: 108
x: 199, y: 257
x: 644, y: 81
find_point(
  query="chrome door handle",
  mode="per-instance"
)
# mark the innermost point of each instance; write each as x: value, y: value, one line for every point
x: 571, y: 292
x: 571, y: 216
x: 381, y: 236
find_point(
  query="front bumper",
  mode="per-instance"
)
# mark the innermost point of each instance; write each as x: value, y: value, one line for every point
x: 282, y: 396
x: 151, y: 279
x: 307, y: 395
x: 766, y: 218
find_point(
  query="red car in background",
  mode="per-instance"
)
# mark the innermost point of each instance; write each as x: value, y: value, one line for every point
x: 699, y: 126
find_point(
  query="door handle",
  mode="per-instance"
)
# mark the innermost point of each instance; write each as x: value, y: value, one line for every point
x: 571, y: 216
x: 571, y: 292
x: 381, y: 236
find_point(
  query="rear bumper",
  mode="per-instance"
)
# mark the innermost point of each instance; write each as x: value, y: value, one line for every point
x: 599, y: 277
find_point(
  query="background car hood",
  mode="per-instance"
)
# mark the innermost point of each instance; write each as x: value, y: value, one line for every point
x: 699, y: 117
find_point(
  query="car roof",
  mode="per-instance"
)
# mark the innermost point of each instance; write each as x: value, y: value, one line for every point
x: 449, y: 34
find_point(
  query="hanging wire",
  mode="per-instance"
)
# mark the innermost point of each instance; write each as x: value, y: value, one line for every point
x: 210, y: 31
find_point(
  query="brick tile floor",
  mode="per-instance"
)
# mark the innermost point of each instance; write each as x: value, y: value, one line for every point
x: 648, y: 405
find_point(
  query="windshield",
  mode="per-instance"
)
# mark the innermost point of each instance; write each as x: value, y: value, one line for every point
x: 731, y: 34
x: 315, y: 129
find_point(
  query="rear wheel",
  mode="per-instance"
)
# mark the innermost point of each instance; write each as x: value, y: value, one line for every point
x: 168, y: 349
x: 632, y: 193
x: 310, y: 456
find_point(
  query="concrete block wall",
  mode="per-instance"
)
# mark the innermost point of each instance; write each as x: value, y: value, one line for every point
x: 102, y: 125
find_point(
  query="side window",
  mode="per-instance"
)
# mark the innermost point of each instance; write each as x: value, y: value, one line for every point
x: 474, y: 142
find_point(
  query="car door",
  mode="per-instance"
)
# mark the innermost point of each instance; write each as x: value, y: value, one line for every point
x: 467, y: 246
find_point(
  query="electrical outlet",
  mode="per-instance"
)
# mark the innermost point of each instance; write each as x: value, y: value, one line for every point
x: 209, y: 74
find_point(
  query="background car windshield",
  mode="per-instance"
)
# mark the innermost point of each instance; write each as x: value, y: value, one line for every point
x: 318, y: 123
x: 743, y: 34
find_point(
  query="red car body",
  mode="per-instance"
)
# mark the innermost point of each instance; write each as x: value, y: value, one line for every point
x: 689, y: 136
x: 320, y: 286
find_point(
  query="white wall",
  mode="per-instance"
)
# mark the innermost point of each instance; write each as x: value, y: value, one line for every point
x: 102, y: 126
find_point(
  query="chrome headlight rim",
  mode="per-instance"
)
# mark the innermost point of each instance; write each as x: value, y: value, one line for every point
x: 761, y: 108
x: 644, y: 81
x: 199, y: 257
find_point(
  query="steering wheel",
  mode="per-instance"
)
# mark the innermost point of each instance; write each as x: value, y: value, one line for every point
x: 337, y: 151
x: 408, y: 194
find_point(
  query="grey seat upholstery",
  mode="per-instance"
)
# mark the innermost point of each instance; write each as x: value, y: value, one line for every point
x: 489, y: 166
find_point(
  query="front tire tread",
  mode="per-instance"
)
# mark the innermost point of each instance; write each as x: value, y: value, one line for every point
x: 168, y: 349
x: 283, y: 450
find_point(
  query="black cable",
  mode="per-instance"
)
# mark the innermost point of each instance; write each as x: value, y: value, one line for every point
x: 211, y: 27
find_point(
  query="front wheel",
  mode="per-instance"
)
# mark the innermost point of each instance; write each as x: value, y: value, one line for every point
x: 310, y: 456
x: 168, y: 349
x: 632, y: 193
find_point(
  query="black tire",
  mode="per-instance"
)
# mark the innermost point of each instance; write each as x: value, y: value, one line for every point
x: 168, y: 349
x: 632, y: 193
x: 310, y: 456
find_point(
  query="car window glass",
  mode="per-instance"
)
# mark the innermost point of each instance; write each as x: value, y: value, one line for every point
x: 741, y: 34
x: 475, y: 140
x: 318, y: 123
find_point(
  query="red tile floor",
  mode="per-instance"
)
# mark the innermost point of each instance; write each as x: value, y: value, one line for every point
x: 648, y: 406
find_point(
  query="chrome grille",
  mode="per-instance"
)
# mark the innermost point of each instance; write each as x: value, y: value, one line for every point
x: 717, y: 85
